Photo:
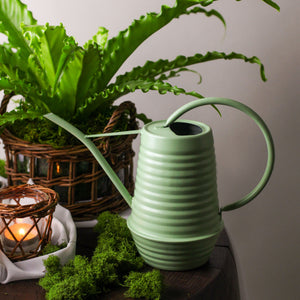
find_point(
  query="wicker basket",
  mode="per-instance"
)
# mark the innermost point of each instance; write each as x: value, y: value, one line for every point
x: 73, y: 172
x: 25, y: 220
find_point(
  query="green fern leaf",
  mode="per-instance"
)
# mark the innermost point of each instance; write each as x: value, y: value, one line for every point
x: 100, y: 38
x: 209, y: 13
x: 273, y: 4
x: 119, y: 48
x: 67, y: 86
x: 113, y: 92
x: 152, y: 69
x: 12, y: 15
x: 145, y: 78
x: 12, y: 116
x: 88, y: 82
x: 6, y: 84
x: 176, y: 73
x: 47, y: 42
x: 10, y: 63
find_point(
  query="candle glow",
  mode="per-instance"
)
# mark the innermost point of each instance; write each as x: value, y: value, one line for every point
x: 57, y: 168
x: 19, y: 230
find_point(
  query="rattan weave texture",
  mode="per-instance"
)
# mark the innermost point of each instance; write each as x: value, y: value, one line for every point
x: 72, y: 171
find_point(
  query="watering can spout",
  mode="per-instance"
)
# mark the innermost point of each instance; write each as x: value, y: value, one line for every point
x: 96, y: 153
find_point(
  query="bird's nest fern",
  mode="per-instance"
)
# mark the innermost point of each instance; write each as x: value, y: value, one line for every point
x: 54, y: 74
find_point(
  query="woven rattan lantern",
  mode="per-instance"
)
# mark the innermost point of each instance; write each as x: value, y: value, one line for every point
x: 25, y: 220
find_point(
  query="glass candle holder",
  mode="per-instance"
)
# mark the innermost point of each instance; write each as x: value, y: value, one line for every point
x: 25, y: 220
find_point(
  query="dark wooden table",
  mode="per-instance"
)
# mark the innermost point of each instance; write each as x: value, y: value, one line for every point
x: 215, y: 280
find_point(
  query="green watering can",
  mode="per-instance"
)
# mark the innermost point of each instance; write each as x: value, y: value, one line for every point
x: 176, y: 219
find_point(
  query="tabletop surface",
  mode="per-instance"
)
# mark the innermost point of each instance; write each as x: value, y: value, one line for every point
x: 217, y: 279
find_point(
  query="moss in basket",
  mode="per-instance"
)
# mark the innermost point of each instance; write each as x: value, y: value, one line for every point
x: 55, y: 74
x: 41, y: 131
x: 2, y: 168
x: 114, y: 258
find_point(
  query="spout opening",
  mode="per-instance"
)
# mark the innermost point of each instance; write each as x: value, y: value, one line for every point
x: 182, y: 128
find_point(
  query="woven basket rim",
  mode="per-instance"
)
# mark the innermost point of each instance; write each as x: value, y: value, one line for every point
x: 46, y: 199
x: 17, y: 143
x: 102, y: 143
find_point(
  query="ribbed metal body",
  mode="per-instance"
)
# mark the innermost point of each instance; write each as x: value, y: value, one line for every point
x: 175, y: 219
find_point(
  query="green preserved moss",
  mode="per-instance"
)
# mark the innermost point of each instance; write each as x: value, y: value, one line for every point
x: 147, y: 285
x: 2, y: 168
x: 113, y: 260
x: 43, y: 131
x: 50, y: 248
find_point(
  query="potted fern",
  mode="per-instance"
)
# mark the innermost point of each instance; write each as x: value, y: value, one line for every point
x: 53, y: 73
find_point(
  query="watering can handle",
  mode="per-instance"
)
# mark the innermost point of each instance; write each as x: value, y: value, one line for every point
x: 261, y: 124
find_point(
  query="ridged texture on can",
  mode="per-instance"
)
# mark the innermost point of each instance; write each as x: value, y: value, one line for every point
x: 175, y: 256
x: 175, y: 199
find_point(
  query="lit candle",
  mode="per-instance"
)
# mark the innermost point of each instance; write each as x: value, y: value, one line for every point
x: 57, y: 168
x: 20, y: 231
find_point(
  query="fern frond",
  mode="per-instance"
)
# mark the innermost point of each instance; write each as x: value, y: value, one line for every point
x: 273, y: 4
x: 113, y: 92
x: 176, y: 73
x: 6, y: 85
x: 119, y: 48
x: 12, y: 116
x: 11, y: 16
x: 152, y: 69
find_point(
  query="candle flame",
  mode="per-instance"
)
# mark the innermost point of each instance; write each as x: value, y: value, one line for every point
x: 57, y: 168
x: 22, y: 231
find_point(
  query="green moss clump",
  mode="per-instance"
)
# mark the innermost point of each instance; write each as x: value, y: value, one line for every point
x: 115, y: 238
x: 72, y: 281
x: 115, y: 256
x: 144, y: 285
x: 2, y: 168
x: 43, y: 131
x: 53, y: 276
x: 50, y: 248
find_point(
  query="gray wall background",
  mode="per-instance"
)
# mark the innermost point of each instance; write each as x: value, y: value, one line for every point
x: 265, y: 233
